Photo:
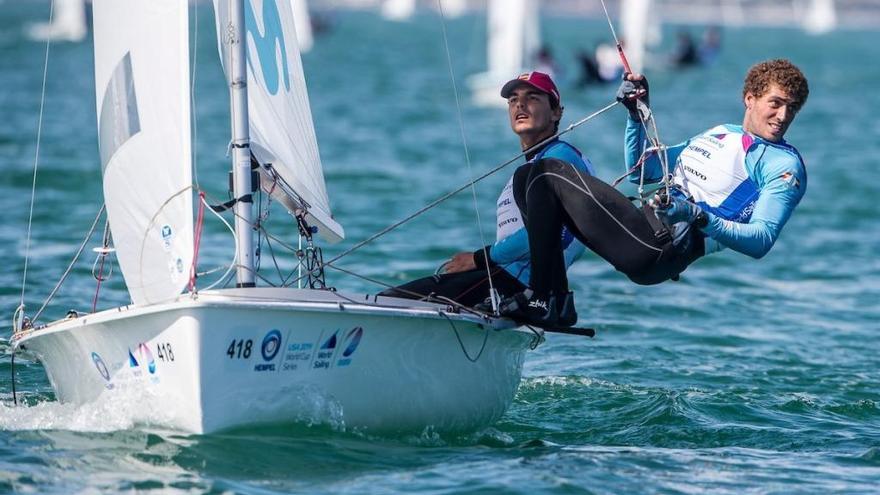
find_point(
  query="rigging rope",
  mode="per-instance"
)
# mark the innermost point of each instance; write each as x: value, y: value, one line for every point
x: 492, y: 293
x: 103, y: 251
x: 79, y: 251
x: 616, y: 40
x: 197, y: 242
x: 27, y: 248
x: 234, y: 262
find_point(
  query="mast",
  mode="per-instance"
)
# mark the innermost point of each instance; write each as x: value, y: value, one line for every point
x: 242, y: 184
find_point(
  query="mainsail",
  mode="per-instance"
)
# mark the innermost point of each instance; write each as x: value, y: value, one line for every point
x: 280, y: 119
x: 142, y: 90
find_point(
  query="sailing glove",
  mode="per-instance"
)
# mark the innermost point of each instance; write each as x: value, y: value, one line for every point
x: 678, y: 210
x: 630, y: 91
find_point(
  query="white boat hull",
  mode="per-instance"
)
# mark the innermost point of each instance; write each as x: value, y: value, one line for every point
x: 241, y: 357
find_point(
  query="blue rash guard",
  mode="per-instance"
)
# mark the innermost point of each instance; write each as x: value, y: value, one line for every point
x: 511, y: 248
x: 748, y: 186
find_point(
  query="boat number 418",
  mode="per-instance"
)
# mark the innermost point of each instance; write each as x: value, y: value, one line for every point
x: 164, y: 351
x: 240, y: 349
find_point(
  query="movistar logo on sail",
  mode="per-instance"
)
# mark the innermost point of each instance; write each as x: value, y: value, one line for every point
x: 267, y: 44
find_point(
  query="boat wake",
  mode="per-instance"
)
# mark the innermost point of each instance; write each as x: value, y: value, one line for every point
x: 131, y: 408
x: 110, y: 412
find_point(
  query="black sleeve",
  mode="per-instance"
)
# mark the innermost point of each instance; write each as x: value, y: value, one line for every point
x: 480, y: 257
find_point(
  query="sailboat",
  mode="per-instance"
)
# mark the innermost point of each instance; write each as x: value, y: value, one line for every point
x: 640, y: 28
x: 819, y: 17
x: 303, y: 24
x: 452, y: 8
x: 225, y: 358
x: 68, y: 23
x: 513, y: 40
x: 398, y: 10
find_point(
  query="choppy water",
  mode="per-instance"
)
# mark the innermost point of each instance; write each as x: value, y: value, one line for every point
x: 746, y: 376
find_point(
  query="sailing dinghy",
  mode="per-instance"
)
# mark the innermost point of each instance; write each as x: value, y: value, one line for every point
x: 226, y: 358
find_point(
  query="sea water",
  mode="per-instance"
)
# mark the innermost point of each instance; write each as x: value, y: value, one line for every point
x: 744, y: 377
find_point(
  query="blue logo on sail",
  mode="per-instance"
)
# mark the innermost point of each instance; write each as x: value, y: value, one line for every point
x: 267, y: 44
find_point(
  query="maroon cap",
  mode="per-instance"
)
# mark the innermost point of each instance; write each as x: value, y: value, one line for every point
x: 537, y: 80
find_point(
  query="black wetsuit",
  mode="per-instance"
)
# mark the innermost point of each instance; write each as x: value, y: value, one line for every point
x: 551, y: 193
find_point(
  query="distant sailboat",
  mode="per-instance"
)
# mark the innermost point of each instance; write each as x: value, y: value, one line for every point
x: 453, y: 8
x: 218, y: 359
x: 303, y: 24
x: 513, y: 41
x: 732, y: 13
x: 398, y: 10
x: 820, y: 17
x: 68, y: 23
x: 640, y: 28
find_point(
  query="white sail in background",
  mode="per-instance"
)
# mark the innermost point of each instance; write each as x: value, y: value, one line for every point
x: 281, y: 128
x: 453, y: 8
x: 142, y: 90
x: 398, y: 10
x: 820, y: 17
x: 639, y: 22
x: 303, y: 22
x: 68, y: 23
x: 514, y: 36
x: 531, y: 43
x: 513, y: 41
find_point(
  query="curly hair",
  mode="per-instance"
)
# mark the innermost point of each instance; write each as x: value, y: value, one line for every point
x: 780, y: 72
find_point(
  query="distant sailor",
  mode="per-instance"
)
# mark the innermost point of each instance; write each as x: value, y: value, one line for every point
x: 732, y: 186
x: 534, y: 109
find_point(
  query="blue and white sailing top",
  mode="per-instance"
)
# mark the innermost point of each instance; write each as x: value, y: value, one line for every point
x: 748, y: 186
x: 511, y: 248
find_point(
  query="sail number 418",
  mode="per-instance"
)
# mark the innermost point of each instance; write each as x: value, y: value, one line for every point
x: 240, y: 349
